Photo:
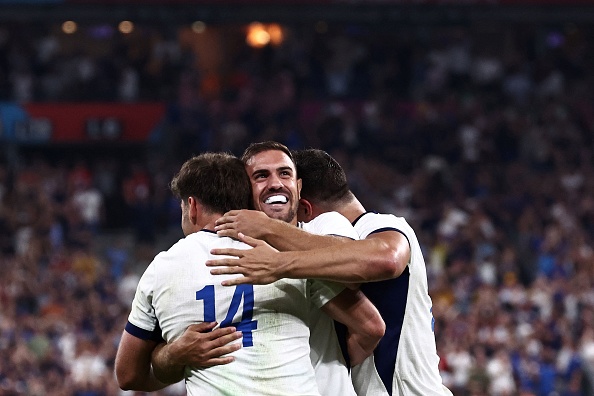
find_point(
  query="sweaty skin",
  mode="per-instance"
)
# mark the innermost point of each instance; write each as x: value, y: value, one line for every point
x: 344, y: 261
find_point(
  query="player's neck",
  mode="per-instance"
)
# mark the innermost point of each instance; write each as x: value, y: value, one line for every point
x: 352, y: 210
x: 207, y: 222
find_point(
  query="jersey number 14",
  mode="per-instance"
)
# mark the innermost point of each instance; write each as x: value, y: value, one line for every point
x: 242, y: 292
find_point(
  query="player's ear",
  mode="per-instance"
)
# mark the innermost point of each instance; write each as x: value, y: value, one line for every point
x: 305, y: 211
x: 193, y: 208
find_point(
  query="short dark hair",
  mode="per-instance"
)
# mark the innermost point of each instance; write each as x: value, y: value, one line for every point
x: 258, y: 147
x: 217, y: 180
x: 322, y: 178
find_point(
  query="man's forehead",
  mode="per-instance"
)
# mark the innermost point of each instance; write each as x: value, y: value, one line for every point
x: 270, y: 159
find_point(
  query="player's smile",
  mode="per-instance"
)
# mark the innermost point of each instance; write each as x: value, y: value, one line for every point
x: 276, y: 204
x: 275, y: 187
x: 276, y: 199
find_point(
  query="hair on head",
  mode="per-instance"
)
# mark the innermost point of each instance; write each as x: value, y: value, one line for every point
x: 322, y: 177
x: 217, y: 180
x: 258, y: 147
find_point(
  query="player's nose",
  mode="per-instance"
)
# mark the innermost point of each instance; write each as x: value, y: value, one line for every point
x: 274, y: 182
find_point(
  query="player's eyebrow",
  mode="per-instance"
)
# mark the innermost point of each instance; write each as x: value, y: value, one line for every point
x: 285, y: 168
x: 258, y: 172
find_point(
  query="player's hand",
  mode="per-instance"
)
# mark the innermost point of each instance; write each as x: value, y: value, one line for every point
x: 249, y: 222
x: 200, y: 347
x: 259, y: 265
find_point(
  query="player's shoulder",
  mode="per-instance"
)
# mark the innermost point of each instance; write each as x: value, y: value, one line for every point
x: 197, y: 243
x: 329, y: 217
x: 379, y: 218
x: 330, y: 223
x: 371, y: 222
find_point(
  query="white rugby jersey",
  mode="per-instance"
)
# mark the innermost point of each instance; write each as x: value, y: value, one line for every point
x: 177, y: 290
x: 332, y: 373
x: 405, y: 362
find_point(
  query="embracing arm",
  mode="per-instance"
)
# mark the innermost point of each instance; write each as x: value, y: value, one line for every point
x: 380, y: 256
x: 198, y: 346
x: 278, y: 233
x: 364, y: 324
x: 133, y: 364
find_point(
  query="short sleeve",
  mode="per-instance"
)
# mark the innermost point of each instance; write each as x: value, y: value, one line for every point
x: 323, y: 291
x: 142, y: 313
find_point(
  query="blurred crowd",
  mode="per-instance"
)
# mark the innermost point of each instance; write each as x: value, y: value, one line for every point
x: 480, y: 136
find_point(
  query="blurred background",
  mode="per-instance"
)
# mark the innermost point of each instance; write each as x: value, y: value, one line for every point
x: 472, y: 119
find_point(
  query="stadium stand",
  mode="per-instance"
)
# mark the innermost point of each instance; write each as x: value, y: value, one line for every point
x: 480, y: 134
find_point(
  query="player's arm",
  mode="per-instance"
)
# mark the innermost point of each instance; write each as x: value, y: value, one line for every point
x: 278, y: 233
x: 133, y: 364
x: 199, y: 346
x: 363, y: 321
x: 382, y: 255
x: 140, y: 337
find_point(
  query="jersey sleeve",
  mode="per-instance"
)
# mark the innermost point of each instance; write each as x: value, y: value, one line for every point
x: 323, y: 291
x: 372, y: 223
x: 142, y: 321
x: 332, y: 223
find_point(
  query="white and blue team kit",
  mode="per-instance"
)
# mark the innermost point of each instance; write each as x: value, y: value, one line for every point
x: 405, y: 362
x: 177, y: 290
x: 327, y: 357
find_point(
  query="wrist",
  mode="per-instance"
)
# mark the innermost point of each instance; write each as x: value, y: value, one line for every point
x: 270, y: 230
x: 288, y: 264
x: 171, y: 355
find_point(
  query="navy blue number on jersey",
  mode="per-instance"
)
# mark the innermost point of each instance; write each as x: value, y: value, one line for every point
x: 242, y: 292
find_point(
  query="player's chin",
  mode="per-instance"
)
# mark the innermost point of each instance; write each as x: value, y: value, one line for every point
x: 275, y: 212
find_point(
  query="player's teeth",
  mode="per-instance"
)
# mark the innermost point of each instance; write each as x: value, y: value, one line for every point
x: 276, y: 199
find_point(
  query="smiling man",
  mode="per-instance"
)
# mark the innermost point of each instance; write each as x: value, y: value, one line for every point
x: 276, y: 191
x: 275, y: 187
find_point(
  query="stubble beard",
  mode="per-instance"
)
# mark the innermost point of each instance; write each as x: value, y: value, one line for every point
x: 288, y: 217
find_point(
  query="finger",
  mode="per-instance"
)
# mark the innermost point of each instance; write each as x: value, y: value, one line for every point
x: 227, y: 270
x: 224, y: 220
x: 218, y: 361
x: 221, y: 332
x: 227, y: 252
x: 227, y: 233
x: 253, y: 242
x: 225, y: 339
x: 224, y: 350
x: 238, y: 281
x: 221, y: 263
x: 202, y: 327
x: 228, y: 217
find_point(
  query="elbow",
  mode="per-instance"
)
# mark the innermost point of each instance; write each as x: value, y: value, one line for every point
x: 372, y: 334
x: 377, y: 328
x: 374, y: 326
x: 127, y: 380
x: 389, y: 263
x: 125, y: 384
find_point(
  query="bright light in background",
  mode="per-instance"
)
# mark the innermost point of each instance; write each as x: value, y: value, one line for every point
x: 126, y: 27
x: 259, y: 35
x: 69, y: 27
x: 198, y: 27
x: 276, y: 33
